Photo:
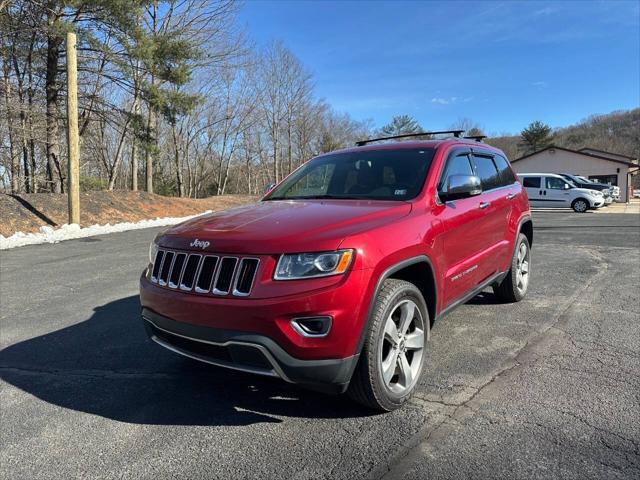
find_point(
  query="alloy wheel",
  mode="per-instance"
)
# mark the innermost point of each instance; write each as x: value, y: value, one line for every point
x: 402, y: 347
x: 522, y: 268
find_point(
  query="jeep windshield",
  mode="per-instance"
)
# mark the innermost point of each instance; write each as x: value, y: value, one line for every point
x: 368, y: 175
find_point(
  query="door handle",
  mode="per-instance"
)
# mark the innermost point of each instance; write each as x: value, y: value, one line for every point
x: 484, y: 205
x: 510, y: 196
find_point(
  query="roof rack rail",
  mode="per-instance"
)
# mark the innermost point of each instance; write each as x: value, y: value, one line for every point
x: 477, y: 138
x: 456, y: 133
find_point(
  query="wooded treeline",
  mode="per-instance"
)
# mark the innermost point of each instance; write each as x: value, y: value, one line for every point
x: 616, y: 132
x: 173, y: 99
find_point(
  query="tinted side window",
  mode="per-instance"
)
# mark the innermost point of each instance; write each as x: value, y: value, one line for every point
x: 531, y: 182
x: 458, y: 165
x: 506, y: 174
x: 486, y: 170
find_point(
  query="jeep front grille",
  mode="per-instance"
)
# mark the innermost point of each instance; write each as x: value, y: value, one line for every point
x: 214, y: 274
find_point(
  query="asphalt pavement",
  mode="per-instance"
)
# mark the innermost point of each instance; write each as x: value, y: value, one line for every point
x: 546, y: 388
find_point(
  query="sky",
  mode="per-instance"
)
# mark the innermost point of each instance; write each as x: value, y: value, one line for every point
x: 502, y: 64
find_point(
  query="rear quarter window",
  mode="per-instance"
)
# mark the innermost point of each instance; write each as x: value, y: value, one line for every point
x: 531, y: 182
x: 507, y: 176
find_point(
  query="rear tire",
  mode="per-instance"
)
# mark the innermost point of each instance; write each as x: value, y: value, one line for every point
x: 513, y: 287
x: 580, y: 205
x: 393, y: 353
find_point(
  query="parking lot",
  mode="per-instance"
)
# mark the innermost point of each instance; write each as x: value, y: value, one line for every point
x: 549, y: 387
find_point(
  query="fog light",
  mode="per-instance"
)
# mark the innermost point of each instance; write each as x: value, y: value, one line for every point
x: 312, y: 326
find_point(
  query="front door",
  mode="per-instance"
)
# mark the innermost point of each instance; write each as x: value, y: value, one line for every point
x: 464, y: 234
x: 557, y: 192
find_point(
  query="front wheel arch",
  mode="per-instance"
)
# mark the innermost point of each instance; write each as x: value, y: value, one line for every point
x: 417, y: 270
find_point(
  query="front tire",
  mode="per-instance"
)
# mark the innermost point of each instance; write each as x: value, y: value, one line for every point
x: 580, y: 205
x: 393, y: 354
x: 513, y: 287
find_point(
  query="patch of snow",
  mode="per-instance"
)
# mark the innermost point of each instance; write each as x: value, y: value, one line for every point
x: 67, y: 232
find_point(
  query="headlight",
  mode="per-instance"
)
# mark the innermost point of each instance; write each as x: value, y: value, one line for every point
x: 153, y: 249
x: 311, y: 265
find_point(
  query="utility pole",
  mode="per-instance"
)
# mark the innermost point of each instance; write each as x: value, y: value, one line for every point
x: 73, y: 140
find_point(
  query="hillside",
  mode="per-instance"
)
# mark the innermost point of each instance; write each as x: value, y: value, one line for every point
x: 617, y: 132
x: 28, y: 212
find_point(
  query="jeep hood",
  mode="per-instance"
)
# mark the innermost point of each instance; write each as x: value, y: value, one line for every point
x: 278, y: 226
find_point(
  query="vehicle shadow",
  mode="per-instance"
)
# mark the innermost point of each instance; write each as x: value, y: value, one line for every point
x: 484, y: 298
x: 107, y: 366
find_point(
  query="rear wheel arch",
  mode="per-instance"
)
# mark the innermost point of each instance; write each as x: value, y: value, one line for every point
x: 526, y: 227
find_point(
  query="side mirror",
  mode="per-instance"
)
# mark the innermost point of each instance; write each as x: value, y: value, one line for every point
x: 567, y: 186
x: 268, y: 188
x: 461, y: 186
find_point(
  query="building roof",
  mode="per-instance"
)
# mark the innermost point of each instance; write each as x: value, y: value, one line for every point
x: 606, y: 153
x: 587, y: 154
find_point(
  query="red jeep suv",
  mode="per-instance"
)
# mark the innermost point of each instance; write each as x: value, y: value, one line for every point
x: 335, y: 278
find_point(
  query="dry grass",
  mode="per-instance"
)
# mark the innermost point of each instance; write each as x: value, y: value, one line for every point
x: 28, y: 212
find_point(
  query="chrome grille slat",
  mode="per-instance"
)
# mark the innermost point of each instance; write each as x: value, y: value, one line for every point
x: 165, y: 270
x: 231, y: 264
x: 205, y: 278
x: 201, y: 274
x: 186, y: 276
x: 179, y: 263
x: 245, y: 276
x: 157, y: 263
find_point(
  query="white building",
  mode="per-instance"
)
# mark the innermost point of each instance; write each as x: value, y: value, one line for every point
x: 605, y: 167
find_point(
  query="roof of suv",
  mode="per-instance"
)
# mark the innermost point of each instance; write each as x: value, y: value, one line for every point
x: 419, y: 144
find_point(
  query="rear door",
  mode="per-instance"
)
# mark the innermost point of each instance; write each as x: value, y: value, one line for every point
x: 496, y: 205
x: 533, y: 186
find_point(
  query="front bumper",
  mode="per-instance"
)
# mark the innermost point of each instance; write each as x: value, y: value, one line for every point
x: 346, y: 301
x: 598, y: 202
x: 246, y: 352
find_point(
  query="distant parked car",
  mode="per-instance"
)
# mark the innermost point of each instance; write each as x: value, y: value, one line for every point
x: 550, y: 190
x: 582, y: 182
x: 615, y: 190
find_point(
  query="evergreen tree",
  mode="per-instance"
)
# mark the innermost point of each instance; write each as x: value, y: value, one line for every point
x: 536, y: 136
x: 400, y: 125
x: 474, y: 132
